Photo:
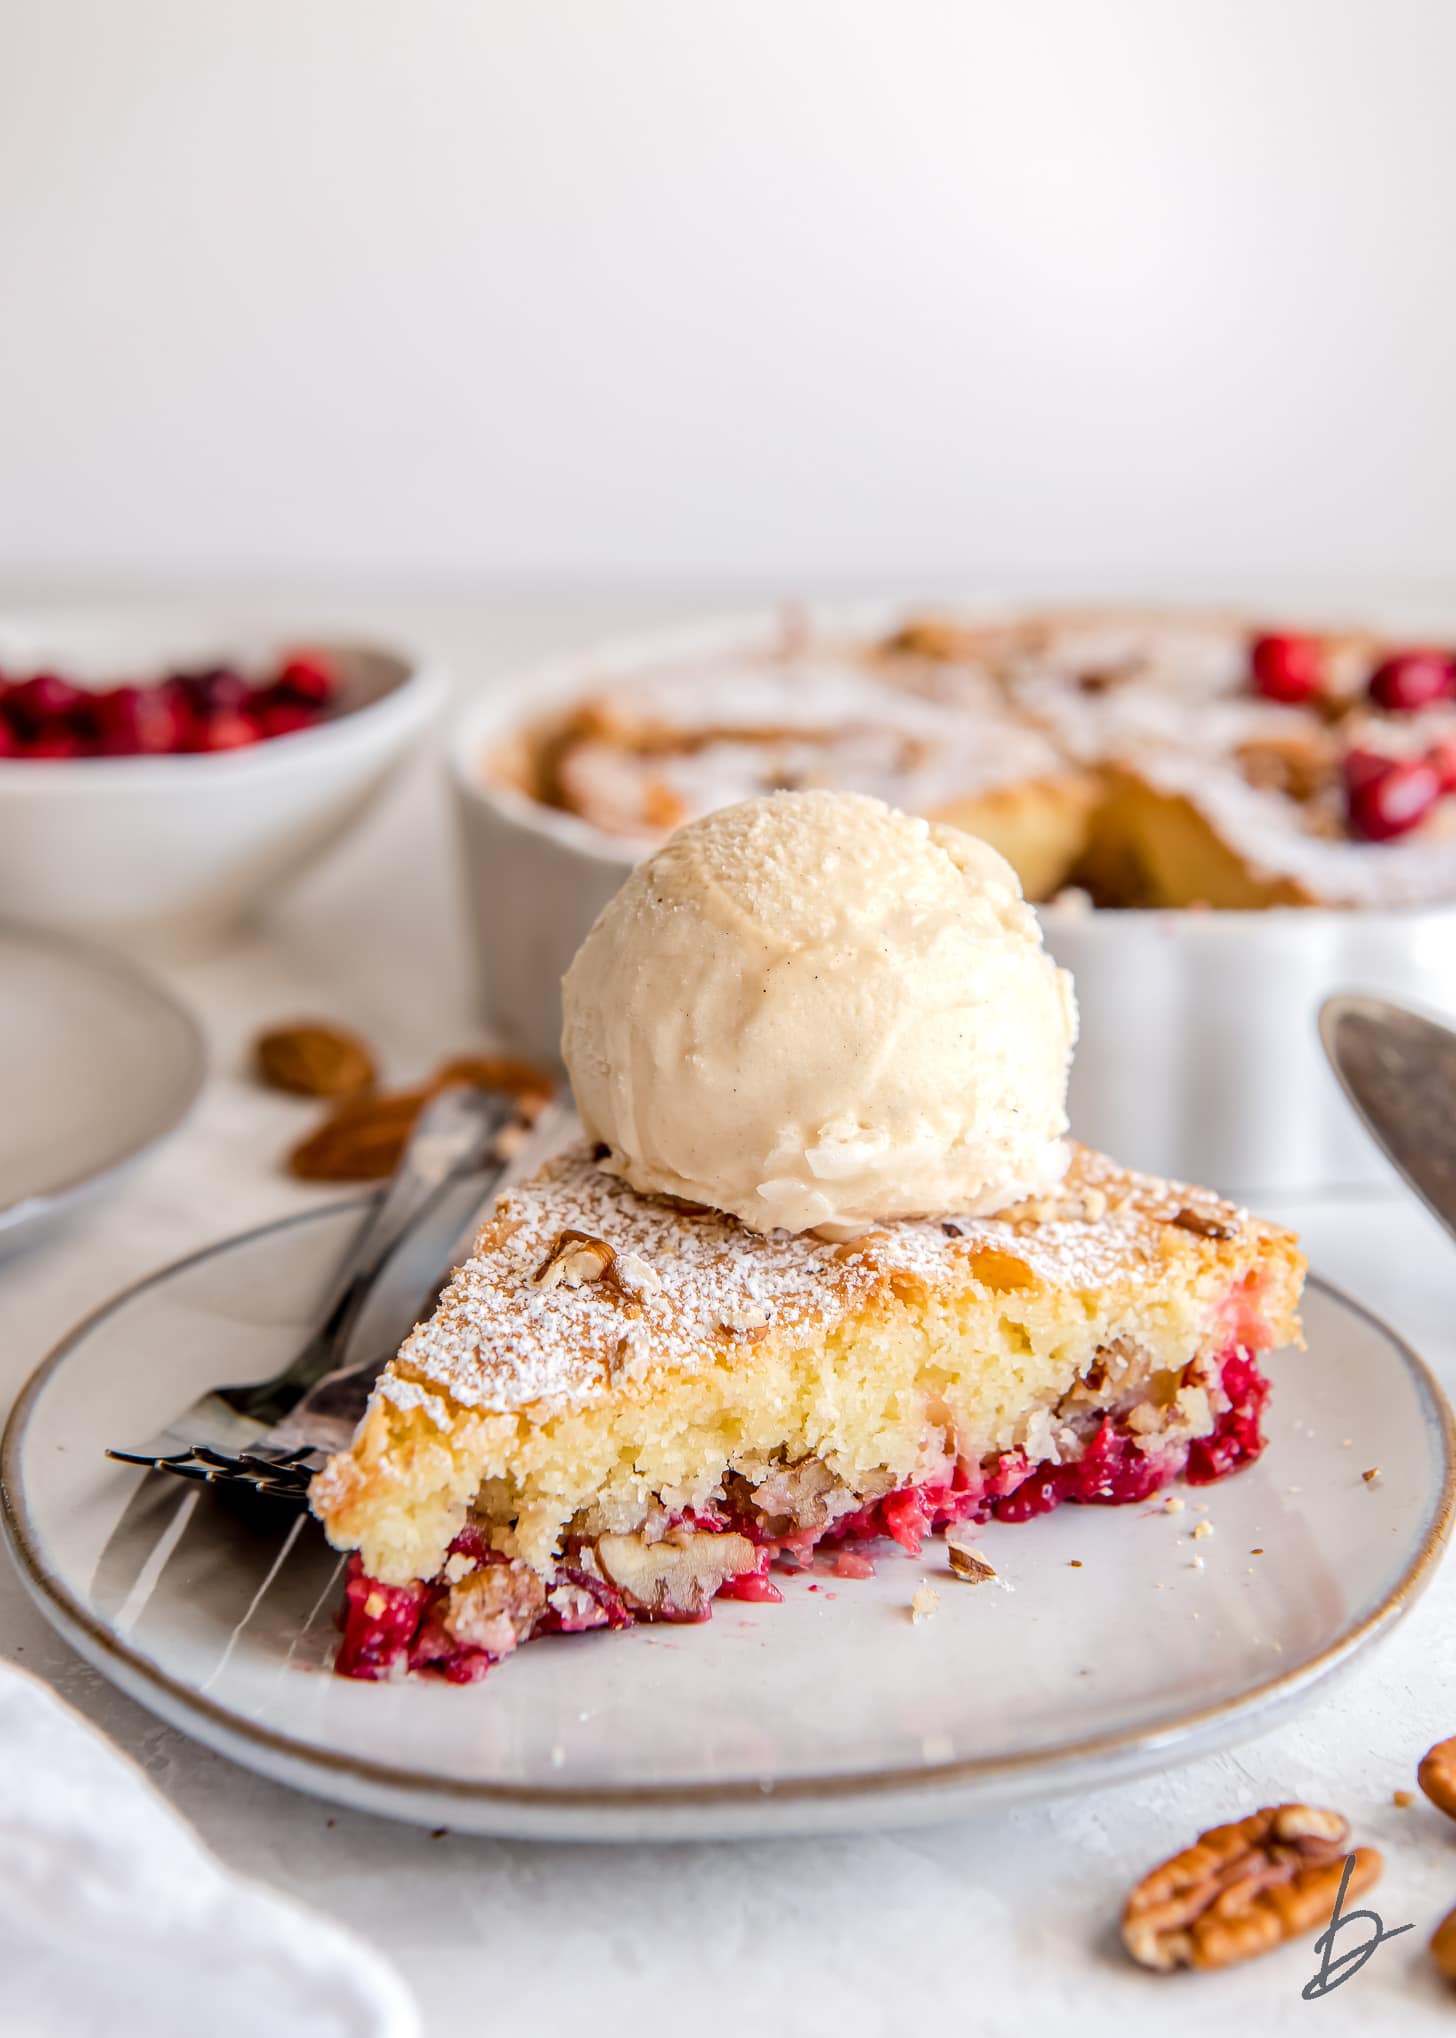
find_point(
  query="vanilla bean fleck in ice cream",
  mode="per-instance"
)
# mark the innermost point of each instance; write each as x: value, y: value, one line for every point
x: 817, y: 1013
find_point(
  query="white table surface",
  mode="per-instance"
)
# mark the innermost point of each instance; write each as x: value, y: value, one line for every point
x: 1001, y: 1925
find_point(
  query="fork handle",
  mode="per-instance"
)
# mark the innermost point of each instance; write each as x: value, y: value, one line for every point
x: 452, y: 1136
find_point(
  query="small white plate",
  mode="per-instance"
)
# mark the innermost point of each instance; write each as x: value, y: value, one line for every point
x: 1125, y: 1643
x: 97, y: 1063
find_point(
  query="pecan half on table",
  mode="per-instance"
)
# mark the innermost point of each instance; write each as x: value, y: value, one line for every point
x: 1243, y: 1889
x: 1443, y: 1947
x: 1437, y: 1776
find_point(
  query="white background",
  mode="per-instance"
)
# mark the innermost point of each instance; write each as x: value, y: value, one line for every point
x: 792, y: 290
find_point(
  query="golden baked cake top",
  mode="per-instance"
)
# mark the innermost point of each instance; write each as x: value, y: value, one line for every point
x: 577, y: 1284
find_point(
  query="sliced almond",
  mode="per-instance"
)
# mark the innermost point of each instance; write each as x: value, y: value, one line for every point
x: 637, y: 1275
x: 967, y: 1565
x: 746, y: 1319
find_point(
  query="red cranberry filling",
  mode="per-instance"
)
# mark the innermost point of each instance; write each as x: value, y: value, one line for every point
x: 379, y: 1622
x: 1238, y: 1437
x: 753, y: 1586
x: 388, y: 1625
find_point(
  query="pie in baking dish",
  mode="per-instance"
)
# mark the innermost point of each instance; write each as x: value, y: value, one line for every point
x: 1151, y: 758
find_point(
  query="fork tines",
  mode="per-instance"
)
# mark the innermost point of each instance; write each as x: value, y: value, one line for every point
x: 284, y: 1475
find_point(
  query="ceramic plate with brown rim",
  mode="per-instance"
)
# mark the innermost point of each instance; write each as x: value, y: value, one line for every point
x: 1114, y: 1641
x: 97, y: 1063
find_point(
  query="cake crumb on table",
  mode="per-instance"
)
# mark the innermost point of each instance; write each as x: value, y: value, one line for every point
x: 1402, y: 1799
x: 924, y: 1602
x: 1371, y: 1476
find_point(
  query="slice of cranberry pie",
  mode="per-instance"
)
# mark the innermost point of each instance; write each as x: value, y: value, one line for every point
x: 624, y: 1407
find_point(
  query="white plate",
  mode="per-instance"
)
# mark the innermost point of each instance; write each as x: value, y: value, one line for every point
x: 97, y: 1063
x: 1124, y: 1644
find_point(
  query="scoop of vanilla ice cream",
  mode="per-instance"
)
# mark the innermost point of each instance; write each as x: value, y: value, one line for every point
x: 815, y: 1012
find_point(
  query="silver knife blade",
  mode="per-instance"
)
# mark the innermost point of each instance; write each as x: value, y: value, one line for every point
x: 1397, y: 1066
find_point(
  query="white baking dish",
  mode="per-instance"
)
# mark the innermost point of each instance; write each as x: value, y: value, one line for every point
x: 1198, y: 1058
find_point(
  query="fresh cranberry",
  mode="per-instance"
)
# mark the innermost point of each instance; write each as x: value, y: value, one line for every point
x: 1289, y: 669
x: 31, y: 704
x: 1362, y: 767
x: 277, y: 717
x: 1409, y: 680
x: 1442, y: 759
x: 1393, y: 801
x: 229, y: 729
x: 134, y: 721
x: 10, y: 744
x: 307, y: 677
x: 217, y: 690
x: 55, y: 741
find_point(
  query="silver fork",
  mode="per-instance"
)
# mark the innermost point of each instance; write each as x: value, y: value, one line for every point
x: 222, y: 1438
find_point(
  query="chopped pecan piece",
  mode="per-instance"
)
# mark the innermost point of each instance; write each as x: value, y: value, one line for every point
x: 1242, y: 1889
x: 575, y: 1257
x: 1204, y: 1227
x: 797, y: 1497
x: 674, y: 1580
x: 1301, y: 764
x: 495, y: 1607
x: 942, y: 638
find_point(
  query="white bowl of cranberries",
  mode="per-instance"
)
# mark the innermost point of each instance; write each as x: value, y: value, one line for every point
x: 164, y: 782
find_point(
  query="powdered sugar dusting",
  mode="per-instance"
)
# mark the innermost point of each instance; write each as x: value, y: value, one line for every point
x: 497, y: 1341
x: 917, y: 733
x: 410, y: 1394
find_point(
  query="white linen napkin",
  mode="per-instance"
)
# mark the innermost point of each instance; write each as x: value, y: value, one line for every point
x: 115, y: 1918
